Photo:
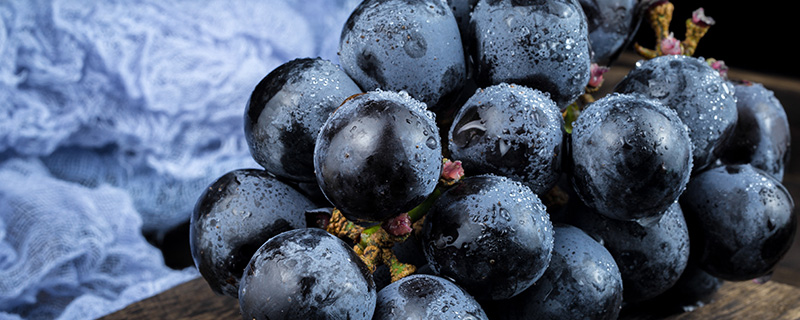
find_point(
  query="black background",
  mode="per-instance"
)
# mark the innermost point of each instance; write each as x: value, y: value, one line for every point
x: 753, y: 35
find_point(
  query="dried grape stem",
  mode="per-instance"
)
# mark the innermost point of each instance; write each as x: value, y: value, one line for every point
x: 645, y: 52
x: 660, y: 16
x: 375, y: 248
x: 586, y: 99
x: 694, y: 32
x: 397, y: 269
x: 339, y: 226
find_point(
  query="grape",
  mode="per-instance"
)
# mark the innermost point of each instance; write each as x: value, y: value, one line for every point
x: 651, y: 255
x: 235, y: 215
x: 761, y: 137
x: 741, y: 221
x: 612, y: 24
x: 311, y: 191
x: 513, y: 131
x: 631, y: 157
x: 704, y: 101
x: 694, y: 288
x: 378, y: 155
x: 287, y: 109
x: 582, y: 282
x: 290, y: 277
x: 426, y: 297
x: 462, y: 9
x: 410, y: 45
x: 490, y: 234
x: 539, y: 44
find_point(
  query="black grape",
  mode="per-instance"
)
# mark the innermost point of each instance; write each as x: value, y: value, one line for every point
x: 761, y: 137
x: 286, y: 111
x: 694, y: 288
x: 513, y: 131
x: 631, y: 157
x: 410, y: 45
x: 741, y: 221
x: 306, y: 274
x: 612, y: 24
x: 703, y: 100
x: 651, y: 255
x: 378, y: 155
x: 490, y: 234
x: 422, y: 296
x: 582, y: 282
x: 234, y: 216
x: 462, y: 9
x: 539, y: 44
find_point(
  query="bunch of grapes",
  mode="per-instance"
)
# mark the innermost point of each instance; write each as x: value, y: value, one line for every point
x: 571, y: 206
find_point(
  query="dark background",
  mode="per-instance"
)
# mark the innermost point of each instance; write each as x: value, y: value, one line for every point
x: 757, y: 36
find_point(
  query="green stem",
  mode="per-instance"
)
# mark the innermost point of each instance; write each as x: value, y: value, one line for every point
x: 419, y: 211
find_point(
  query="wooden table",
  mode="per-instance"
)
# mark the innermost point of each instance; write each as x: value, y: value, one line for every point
x: 735, y: 300
x: 777, y: 299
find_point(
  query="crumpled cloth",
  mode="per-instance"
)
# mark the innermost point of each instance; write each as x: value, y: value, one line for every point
x: 114, y: 116
x: 69, y: 250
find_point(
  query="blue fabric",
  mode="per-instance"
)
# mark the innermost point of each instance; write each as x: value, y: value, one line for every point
x: 114, y: 116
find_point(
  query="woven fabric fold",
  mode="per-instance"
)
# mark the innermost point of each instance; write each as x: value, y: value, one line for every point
x: 114, y: 116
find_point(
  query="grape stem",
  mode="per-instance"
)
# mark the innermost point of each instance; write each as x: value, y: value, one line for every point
x: 660, y: 16
x: 374, y: 244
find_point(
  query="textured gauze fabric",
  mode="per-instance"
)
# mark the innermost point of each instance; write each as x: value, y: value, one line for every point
x: 114, y: 116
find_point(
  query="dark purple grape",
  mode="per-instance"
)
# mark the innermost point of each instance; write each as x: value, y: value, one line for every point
x: 462, y: 9
x: 306, y: 274
x: 582, y: 282
x: 536, y: 43
x: 761, y: 137
x: 233, y: 217
x: 287, y: 109
x: 410, y: 45
x: 312, y: 191
x: 704, y: 101
x: 612, y: 24
x: 378, y: 155
x: 694, y: 288
x: 741, y: 221
x: 513, y: 131
x: 421, y: 296
x: 631, y: 157
x: 490, y: 234
x: 651, y: 255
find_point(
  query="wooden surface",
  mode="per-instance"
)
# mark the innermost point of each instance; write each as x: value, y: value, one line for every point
x: 777, y: 299
x: 190, y: 300
x: 744, y: 300
x: 735, y: 300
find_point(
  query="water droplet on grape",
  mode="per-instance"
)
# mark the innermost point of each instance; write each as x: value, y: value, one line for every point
x: 431, y: 142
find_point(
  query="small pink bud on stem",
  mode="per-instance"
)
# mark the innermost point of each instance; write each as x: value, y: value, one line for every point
x: 670, y: 45
x: 699, y: 18
x: 451, y: 171
x: 398, y: 225
x: 720, y: 66
x: 596, y: 79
